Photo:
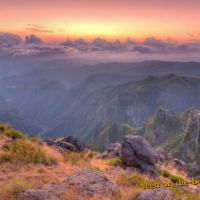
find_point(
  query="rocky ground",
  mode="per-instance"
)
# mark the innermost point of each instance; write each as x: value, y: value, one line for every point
x: 65, y: 169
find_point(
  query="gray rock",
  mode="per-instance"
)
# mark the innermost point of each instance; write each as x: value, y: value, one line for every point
x: 75, y: 142
x: 179, y: 164
x: 163, y: 155
x: 48, y: 192
x: 137, y: 152
x: 85, y: 183
x: 49, y: 142
x: 113, y: 150
x: 92, y: 183
x: 155, y: 194
x: 67, y: 144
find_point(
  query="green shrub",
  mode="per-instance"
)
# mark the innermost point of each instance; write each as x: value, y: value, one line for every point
x: 25, y: 151
x: 175, y: 179
x: 3, y: 127
x: 114, y: 162
x: 14, y: 134
x: 165, y: 173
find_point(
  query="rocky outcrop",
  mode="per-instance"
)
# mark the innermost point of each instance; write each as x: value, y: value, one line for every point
x: 137, y: 152
x: 66, y: 144
x: 155, y: 194
x: 85, y: 183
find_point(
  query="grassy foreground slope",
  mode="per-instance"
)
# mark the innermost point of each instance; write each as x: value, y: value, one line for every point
x: 28, y: 163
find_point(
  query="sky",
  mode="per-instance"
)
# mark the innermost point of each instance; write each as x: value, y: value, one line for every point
x: 57, y: 20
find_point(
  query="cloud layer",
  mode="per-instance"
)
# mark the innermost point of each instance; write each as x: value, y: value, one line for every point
x: 32, y: 45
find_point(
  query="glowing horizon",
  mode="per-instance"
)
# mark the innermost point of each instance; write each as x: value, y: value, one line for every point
x: 62, y: 19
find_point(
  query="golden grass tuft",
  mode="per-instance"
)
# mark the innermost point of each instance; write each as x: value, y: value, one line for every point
x: 132, y: 179
x: 180, y: 194
x: 79, y: 159
x: 13, y: 188
x: 24, y: 151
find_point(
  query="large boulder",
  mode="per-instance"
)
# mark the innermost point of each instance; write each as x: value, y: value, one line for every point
x: 137, y: 152
x: 90, y: 183
x: 155, y: 194
x: 84, y: 183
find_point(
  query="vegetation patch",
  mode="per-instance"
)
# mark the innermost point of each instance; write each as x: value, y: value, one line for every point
x: 126, y: 179
x: 10, y: 132
x: 114, y: 162
x: 13, y: 188
x: 25, y: 151
x: 79, y: 159
x: 14, y: 134
x: 173, y: 178
x: 165, y: 173
x: 184, y: 194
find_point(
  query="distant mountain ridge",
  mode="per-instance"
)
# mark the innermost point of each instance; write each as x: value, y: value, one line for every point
x: 78, y: 100
x: 132, y: 103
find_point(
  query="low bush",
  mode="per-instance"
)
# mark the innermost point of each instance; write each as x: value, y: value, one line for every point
x: 114, y: 162
x: 3, y: 127
x: 165, y: 173
x: 175, y: 179
x: 14, y: 134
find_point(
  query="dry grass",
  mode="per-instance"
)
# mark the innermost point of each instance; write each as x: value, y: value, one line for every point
x: 79, y: 159
x: 133, y: 179
x: 25, y: 151
x: 13, y: 188
x: 74, y: 195
x: 28, y: 166
x: 128, y: 193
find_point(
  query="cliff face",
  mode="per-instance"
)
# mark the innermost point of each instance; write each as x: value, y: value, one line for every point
x: 162, y: 126
x: 190, y: 145
x: 178, y: 134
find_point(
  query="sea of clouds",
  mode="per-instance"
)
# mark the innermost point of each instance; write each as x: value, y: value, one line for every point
x: 150, y: 48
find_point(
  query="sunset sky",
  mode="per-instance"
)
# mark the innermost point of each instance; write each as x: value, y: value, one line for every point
x: 110, y: 19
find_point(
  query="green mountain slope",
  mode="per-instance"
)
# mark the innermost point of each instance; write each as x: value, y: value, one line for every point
x: 132, y: 103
